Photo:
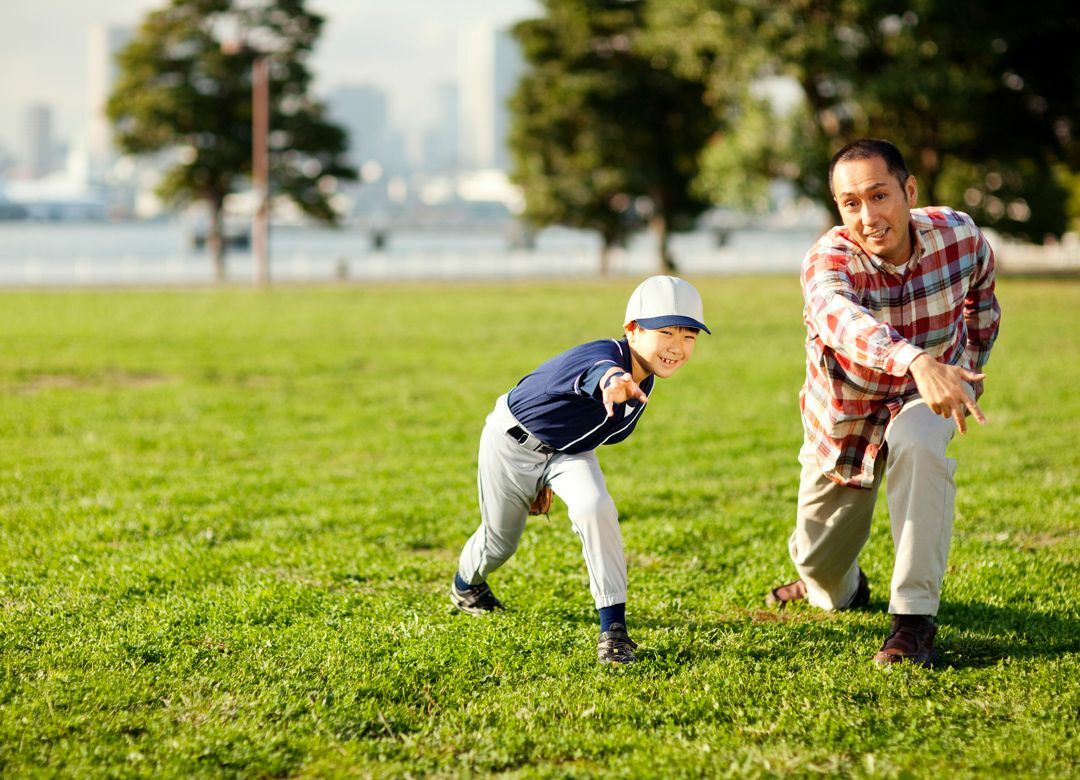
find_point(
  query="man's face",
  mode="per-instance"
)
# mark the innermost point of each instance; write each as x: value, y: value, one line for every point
x: 875, y: 207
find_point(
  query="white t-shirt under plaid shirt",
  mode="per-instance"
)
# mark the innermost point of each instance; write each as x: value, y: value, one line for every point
x: 867, y: 321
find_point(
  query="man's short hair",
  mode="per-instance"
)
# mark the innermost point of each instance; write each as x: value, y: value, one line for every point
x: 867, y: 148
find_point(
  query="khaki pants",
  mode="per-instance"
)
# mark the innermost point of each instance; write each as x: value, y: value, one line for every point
x: 833, y: 521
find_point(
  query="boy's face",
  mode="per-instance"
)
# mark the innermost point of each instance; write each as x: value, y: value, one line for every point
x: 662, y: 351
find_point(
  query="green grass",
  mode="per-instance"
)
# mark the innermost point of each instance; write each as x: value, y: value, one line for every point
x: 228, y: 520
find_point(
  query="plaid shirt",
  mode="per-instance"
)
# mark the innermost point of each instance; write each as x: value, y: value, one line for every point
x: 867, y: 321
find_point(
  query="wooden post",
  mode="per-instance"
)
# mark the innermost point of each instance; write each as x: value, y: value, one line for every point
x: 260, y: 168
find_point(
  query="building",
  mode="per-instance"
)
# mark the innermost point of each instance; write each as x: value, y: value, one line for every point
x: 361, y: 109
x: 38, y: 141
x: 489, y: 67
x: 101, y: 72
x: 440, y: 142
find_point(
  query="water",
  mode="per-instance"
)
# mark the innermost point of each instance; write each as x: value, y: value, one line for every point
x: 160, y: 253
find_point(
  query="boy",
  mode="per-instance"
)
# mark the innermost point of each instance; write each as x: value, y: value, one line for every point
x: 545, y: 432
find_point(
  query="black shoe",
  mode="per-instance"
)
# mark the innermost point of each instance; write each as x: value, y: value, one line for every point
x: 911, y: 639
x: 861, y: 599
x: 477, y: 600
x: 615, y: 646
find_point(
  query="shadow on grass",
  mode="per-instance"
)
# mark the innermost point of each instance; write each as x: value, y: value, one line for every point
x: 972, y: 635
x: 982, y: 635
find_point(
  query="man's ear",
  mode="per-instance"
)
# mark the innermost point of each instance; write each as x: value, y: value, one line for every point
x: 911, y: 189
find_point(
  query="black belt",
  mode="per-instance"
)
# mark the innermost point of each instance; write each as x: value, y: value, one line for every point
x: 528, y: 441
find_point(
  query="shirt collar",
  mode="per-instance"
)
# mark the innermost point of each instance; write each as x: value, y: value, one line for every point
x: 919, y: 226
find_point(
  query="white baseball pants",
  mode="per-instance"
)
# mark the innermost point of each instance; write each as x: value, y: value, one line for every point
x: 509, y: 476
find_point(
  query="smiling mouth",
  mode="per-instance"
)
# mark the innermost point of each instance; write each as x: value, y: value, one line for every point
x: 668, y: 362
x: 876, y: 235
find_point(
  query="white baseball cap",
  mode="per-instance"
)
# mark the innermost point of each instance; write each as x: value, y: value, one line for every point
x: 664, y: 301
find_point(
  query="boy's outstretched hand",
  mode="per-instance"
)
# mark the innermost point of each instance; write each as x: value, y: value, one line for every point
x: 620, y: 388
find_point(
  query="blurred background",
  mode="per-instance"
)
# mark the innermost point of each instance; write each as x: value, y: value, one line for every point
x: 200, y: 141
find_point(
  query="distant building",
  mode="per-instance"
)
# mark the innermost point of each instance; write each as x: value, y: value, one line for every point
x: 7, y: 161
x: 489, y: 67
x: 440, y: 143
x: 38, y: 141
x: 101, y: 72
x: 362, y: 110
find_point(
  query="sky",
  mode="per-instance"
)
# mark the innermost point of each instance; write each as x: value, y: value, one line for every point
x: 405, y: 47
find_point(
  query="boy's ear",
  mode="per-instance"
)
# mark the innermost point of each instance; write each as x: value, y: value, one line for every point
x: 631, y: 326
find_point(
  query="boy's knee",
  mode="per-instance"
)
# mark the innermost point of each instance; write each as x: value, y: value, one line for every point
x: 500, y: 546
x: 496, y: 555
x: 596, y: 509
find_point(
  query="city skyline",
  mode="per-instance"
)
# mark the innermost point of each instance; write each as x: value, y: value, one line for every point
x: 407, y: 49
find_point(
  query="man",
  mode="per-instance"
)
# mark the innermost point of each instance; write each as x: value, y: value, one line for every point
x: 901, y: 316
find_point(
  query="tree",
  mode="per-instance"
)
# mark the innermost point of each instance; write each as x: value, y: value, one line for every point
x: 605, y: 135
x: 714, y: 42
x: 982, y: 98
x: 180, y: 90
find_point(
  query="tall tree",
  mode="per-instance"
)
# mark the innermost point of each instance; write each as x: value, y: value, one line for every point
x: 714, y: 42
x: 605, y: 134
x: 185, y: 89
x: 981, y: 97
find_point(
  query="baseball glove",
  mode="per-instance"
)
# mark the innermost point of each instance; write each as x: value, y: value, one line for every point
x: 541, y: 505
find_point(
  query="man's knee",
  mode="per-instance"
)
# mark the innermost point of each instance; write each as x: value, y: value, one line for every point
x: 812, y: 559
x: 919, y: 435
x: 803, y: 554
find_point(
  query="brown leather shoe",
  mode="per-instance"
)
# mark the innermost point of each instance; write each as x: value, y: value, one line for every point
x: 911, y: 639
x: 796, y: 591
x: 782, y: 596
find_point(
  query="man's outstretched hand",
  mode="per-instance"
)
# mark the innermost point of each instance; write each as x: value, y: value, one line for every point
x: 942, y: 387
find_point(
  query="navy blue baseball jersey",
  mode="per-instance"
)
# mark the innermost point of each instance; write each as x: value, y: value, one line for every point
x: 560, y: 402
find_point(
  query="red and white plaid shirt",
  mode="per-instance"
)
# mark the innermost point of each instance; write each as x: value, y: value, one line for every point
x: 867, y: 321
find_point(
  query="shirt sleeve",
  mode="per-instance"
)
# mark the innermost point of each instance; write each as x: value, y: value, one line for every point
x: 834, y: 311
x: 982, y: 314
x: 590, y: 380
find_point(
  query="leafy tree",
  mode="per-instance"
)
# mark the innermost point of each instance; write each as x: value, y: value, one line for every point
x: 179, y: 89
x: 714, y: 42
x: 605, y: 134
x: 971, y: 92
x: 983, y: 98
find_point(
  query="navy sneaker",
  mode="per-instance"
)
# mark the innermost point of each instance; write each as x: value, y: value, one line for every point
x: 477, y: 600
x: 615, y: 646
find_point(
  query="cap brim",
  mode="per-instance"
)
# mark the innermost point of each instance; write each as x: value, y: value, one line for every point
x: 652, y: 323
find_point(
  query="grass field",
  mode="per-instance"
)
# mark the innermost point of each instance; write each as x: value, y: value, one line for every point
x: 228, y: 521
